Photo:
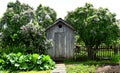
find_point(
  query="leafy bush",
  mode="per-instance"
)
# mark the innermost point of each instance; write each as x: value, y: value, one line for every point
x: 22, y: 62
x: 14, y: 17
x: 45, y: 16
x: 20, y: 28
x: 33, y: 38
x: 12, y: 49
x: 116, y: 58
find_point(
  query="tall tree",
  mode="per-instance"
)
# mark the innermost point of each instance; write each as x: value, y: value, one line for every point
x: 20, y: 28
x: 94, y: 26
x: 16, y: 15
x: 45, y: 16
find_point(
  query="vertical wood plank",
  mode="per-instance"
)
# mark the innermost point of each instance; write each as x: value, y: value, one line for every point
x: 63, y: 41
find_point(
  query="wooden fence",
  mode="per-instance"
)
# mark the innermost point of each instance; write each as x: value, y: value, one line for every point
x: 103, y: 52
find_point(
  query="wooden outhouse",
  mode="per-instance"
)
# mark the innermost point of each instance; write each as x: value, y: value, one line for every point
x: 62, y: 36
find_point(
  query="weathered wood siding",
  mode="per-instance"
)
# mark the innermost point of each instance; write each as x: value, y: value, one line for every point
x: 62, y: 40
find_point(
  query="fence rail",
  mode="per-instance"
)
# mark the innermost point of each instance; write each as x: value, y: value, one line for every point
x: 103, y: 52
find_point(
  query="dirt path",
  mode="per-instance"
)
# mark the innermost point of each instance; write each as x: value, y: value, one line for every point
x: 108, y: 69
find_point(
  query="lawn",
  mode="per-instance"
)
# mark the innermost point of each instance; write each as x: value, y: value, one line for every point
x: 84, y: 67
x: 26, y: 71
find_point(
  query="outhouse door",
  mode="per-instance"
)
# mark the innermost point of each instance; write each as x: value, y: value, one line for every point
x: 59, y: 45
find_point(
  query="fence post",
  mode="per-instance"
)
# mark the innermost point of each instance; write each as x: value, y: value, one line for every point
x: 115, y: 50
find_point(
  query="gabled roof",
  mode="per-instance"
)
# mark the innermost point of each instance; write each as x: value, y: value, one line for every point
x: 57, y: 21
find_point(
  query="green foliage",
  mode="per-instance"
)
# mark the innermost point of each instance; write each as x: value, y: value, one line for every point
x: 27, y: 62
x: 94, y: 26
x: 18, y: 7
x: 33, y: 39
x: 116, y: 58
x: 20, y: 28
x: 13, y: 49
x: 0, y: 41
x: 15, y: 16
x: 45, y: 16
x: 33, y: 71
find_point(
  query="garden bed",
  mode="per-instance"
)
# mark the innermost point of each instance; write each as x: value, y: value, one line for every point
x: 111, y: 68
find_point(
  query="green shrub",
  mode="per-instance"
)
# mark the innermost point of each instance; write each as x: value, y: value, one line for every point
x: 116, y: 58
x: 13, y: 49
x: 33, y: 38
x: 22, y: 62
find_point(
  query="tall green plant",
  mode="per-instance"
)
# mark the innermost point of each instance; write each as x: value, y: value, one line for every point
x: 19, y: 27
x: 15, y: 16
x: 116, y: 58
x: 94, y: 26
x: 45, y: 16
x: 33, y: 39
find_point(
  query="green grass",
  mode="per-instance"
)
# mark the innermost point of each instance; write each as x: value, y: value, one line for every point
x: 74, y: 68
x: 47, y: 71
x: 84, y: 67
